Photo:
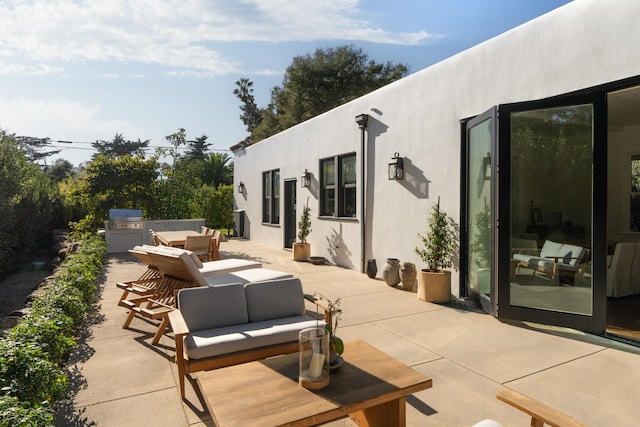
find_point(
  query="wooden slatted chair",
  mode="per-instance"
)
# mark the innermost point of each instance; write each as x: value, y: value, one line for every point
x: 214, y: 250
x: 199, y: 245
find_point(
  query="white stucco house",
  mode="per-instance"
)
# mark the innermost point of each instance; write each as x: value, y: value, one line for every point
x: 539, y: 128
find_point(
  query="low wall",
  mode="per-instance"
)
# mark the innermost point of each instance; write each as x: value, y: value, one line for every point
x: 123, y: 240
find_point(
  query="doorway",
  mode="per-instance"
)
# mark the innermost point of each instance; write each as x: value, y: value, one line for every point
x: 623, y: 212
x: 289, y: 213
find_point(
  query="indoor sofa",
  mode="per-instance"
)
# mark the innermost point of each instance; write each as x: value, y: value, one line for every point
x: 560, y: 260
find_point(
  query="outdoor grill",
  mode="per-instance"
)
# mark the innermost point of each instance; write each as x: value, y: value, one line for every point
x: 125, y: 219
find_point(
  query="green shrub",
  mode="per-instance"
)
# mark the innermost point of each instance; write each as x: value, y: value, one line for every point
x: 32, y: 354
x: 51, y: 329
x: 13, y: 412
x: 28, y: 374
x: 65, y: 297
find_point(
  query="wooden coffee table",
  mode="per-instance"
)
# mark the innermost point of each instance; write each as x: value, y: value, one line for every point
x: 370, y: 387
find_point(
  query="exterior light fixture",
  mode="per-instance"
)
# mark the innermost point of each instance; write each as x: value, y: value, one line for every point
x: 362, y: 120
x: 396, y: 168
x: 486, y: 167
x: 305, y: 179
x: 241, y: 187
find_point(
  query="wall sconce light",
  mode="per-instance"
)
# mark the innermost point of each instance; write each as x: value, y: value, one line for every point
x: 396, y: 167
x: 362, y: 120
x: 305, y: 179
x: 486, y: 167
x: 241, y: 187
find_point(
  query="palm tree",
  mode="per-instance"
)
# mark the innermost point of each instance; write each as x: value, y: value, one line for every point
x: 218, y: 171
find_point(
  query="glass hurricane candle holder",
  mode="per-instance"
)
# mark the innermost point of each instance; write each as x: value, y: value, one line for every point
x: 313, y: 358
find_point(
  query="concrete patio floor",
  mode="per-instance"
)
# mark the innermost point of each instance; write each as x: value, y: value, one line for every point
x: 120, y: 379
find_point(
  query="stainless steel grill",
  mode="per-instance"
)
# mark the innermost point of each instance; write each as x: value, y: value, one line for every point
x: 125, y: 219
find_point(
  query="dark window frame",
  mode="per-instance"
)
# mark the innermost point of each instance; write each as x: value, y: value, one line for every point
x: 271, y: 196
x: 334, y: 195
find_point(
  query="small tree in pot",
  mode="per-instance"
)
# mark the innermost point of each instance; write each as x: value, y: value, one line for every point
x: 438, y: 251
x: 302, y: 249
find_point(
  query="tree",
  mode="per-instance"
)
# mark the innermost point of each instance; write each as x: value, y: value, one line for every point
x: 217, y: 170
x: 60, y: 170
x: 119, y: 182
x: 31, y: 147
x: 197, y: 149
x: 314, y: 84
x: 120, y: 147
x: 250, y: 116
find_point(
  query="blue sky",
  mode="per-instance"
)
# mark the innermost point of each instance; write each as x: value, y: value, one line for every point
x: 84, y: 70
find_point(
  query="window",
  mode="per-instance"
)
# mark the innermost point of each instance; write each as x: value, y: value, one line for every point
x: 634, y: 193
x: 338, y: 186
x: 271, y: 197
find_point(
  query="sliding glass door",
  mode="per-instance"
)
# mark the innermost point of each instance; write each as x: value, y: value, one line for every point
x: 552, y: 239
x: 479, y: 217
x: 534, y: 211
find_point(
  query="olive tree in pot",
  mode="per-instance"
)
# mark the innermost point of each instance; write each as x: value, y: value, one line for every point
x: 438, y: 250
x: 302, y: 249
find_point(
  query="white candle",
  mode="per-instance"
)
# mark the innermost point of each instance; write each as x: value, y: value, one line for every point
x: 317, y: 360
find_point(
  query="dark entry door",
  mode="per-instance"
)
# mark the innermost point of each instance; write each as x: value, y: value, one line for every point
x: 289, y: 213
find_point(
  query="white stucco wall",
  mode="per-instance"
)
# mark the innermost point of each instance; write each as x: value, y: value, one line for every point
x: 583, y: 44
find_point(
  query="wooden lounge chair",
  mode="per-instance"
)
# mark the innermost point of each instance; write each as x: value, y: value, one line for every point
x: 146, y: 283
x: 156, y: 305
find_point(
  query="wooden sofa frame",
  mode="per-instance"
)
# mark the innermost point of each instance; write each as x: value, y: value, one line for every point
x: 540, y: 413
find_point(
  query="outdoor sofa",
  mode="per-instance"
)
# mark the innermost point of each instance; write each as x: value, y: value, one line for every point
x: 217, y: 326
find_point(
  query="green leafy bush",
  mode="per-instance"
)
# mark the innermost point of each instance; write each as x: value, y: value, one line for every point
x: 13, y: 412
x: 32, y: 354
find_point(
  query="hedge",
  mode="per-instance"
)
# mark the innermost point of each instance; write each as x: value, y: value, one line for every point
x: 33, y: 353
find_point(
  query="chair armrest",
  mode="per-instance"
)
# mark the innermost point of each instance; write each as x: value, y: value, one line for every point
x: 316, y: 301
x: 540, y: 413
x: 178, y: 324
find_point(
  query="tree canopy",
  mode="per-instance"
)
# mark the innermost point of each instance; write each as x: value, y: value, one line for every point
x: 314, y: 84
x: 120, y: 146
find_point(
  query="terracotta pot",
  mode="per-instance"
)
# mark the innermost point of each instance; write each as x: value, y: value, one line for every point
x: 301, y: 251
x: 408, y: 275
x: 434, y: 287
x: 391, y: 272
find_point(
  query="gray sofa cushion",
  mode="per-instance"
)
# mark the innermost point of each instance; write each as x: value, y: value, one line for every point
x: 274, y: 299
x: 213, y: 307
x: 226, y: 266
x: 247, y: 276
x: 230, y: 339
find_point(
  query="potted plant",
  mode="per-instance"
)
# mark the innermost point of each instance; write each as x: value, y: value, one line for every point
x: 302, y: 249
x: 439, y: 244
x: 336, y: 345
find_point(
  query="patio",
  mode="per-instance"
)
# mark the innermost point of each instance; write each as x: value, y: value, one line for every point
x: 121, y: 379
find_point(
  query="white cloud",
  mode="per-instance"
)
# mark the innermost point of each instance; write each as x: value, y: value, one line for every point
x: 178, y: 34
x: 65, y: 120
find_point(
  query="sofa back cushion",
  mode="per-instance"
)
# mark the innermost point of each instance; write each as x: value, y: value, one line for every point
x: 550, y: 248
x: 274, y: 299
x: 571, y: 254
x: 211, y: 307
